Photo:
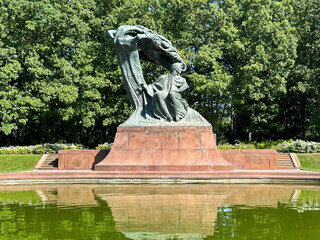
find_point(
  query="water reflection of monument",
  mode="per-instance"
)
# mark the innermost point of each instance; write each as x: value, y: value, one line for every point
x: 183, y: 211
x: 167, y: 211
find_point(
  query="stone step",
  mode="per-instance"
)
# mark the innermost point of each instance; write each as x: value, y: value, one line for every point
x: 48, y: 168
x: 50, y: 163
x: 52, y: 156
x: 284, y: 161
x: 51, y: 160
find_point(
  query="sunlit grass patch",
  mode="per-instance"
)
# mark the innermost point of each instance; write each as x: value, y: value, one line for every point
x: 310, y: 162
x: 15, y: 163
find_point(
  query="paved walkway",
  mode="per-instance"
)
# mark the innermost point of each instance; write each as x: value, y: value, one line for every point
x: 183, y: 176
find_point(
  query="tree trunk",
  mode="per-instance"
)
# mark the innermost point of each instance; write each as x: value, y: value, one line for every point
x: 318, y: 103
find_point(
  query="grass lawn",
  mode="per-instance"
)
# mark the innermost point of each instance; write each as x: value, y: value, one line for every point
x: 15, y: 163
x: 309, y: 161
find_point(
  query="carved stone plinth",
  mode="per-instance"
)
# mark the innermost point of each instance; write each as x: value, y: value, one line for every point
x: 164, y: 149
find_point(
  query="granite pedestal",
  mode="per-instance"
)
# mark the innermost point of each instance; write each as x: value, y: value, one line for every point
x: 164, y: 149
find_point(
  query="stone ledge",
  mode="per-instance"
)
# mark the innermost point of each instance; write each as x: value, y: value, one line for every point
x: 89, y: 175
x: 165, y: 129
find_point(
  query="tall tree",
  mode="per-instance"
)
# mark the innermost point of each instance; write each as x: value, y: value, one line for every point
x: 253, y: 66
x: 55, y: 77
x: 301, y: 105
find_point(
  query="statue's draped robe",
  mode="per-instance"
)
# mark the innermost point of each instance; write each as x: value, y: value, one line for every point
x: 167, y: 101
x: 128, y: 56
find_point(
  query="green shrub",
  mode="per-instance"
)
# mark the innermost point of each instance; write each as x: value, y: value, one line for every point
x: 299, y: 146
x: 268, y: 144
x: 39, y: 149
x: 104, y: 146
x: 236, y: 146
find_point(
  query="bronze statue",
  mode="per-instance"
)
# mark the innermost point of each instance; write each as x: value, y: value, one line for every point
x: 159, y: 103
x: 167, y: 102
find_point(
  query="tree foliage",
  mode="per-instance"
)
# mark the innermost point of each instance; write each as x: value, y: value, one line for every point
x: 253, y: 66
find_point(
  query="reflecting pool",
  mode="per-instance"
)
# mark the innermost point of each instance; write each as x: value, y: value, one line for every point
x: 147, y: 211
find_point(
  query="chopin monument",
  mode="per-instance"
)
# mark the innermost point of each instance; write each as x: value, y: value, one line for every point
x: 163, y: 133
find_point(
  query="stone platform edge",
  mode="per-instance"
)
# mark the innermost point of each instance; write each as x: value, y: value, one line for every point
x: 92, y: 176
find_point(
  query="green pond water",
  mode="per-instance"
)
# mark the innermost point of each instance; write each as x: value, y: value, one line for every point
x: 147, y: 211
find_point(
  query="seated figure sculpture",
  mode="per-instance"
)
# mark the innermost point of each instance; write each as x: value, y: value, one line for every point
x: 159, y: 103
x: 167, y: 102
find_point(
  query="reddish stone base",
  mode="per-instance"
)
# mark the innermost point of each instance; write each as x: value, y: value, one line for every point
x: 251, y: 159
x: 80, y: 159
x: 164, y: 149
